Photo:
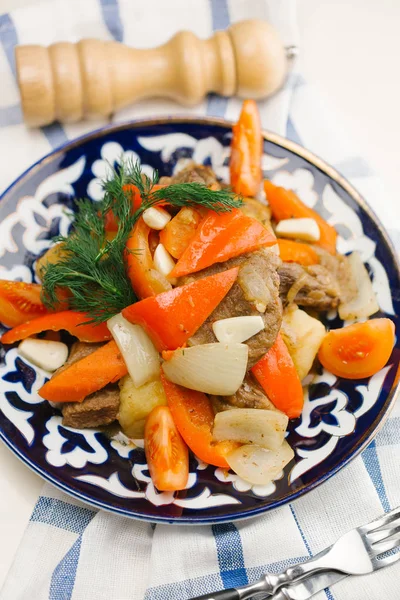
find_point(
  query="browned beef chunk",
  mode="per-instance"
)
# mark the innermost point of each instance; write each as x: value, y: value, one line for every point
x: 317, y: 288
x: 100, y: 408
x: 255, y: 292
x: 338, y: 266
x: 249, y: 395
x: 193, y: 173
x: 78, y: 350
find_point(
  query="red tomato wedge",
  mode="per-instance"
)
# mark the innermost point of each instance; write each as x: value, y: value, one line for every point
x: 291, y: 251
x: 68, y: 320
x: 86, y: 376
x: 285, y: 204
x: 20, y: 302
x: 166, y: 453
x: 173, y: 317
x: 278, y: 377
x: 221, y: 236
x: 246, y: 151
x: 145, y: 279
x: 194, y: 417
x: 358, y: 350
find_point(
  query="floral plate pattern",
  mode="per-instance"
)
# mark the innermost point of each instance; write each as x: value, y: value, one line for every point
x: 339, y: 418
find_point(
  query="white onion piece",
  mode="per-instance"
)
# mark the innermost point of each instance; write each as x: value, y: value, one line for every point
x: 275, y: 249
x: 210, y: 368
x: 266, y: 428
x: 364, y: 304
x: 258, y: 465
x: 141, y: 358
x: 46, y: 354
x: 299, y: 229
x: 237, y: 329
x: 156, y: 218
x: 163, y: 262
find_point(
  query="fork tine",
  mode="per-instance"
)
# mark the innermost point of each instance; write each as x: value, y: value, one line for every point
x: 385, y: 562
x: 386, y: 546
x: 382, y: 521
x: 377, y: 536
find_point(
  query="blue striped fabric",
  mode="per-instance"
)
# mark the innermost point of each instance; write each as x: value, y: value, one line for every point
x: 188, y: 588
x: 56, y: 513
x: 216, y: 105
x: 61, y: 514
x: 371, y: 461
x: 8, y: 39
x: 303, y: 537
x: 328, y: 593
x: 228, y: 567
x: 63, y: 578
x: 54, y: 133
x: 10, y: 115
x: 354, y: 167
x: 291, y: 132
x: 230, y: 555
x: 390, y: 434
x: 112, y: 18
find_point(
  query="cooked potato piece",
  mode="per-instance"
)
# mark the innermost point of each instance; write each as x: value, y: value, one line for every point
x: 303, y: 336
x: 53, y: 255
x: 136, y: 403
x: 254, y: 208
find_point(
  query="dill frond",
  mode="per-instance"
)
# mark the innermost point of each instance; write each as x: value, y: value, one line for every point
x: 93, y: 266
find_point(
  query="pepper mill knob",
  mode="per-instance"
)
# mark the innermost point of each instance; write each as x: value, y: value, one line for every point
x: 92, y: 78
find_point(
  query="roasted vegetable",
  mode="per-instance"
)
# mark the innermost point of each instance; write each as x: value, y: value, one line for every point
x: 166, y: 453
x: 258, y: 465
x: 136, y: 403
x: 210, y: 368
x: 364, y: 303
x: 52, y: 256
x: 278, y: 377
x: 172, y: 317
x: 358, y: 350
x: 303, y: 336
x: 266, y: 428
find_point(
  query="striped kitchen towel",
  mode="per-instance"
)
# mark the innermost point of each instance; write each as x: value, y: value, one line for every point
x: 73, y: 552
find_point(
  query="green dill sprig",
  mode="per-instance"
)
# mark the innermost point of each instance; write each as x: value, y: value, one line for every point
x: 92, y: 267
x: 177, y: 194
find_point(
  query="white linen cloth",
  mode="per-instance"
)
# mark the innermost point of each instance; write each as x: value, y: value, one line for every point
x: 71, y: 551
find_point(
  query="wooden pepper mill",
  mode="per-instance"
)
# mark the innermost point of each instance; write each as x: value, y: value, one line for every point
x: 92, y: 78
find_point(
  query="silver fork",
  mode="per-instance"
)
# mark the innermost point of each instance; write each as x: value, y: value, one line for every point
x: 355, y: 553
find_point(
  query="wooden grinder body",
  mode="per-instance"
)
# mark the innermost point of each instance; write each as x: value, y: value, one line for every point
x: 89, y: 79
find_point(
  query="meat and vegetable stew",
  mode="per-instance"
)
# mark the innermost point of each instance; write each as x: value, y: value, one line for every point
x: 195, y: 313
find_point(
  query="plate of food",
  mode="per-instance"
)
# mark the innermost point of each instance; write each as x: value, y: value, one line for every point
x: 198, y: 320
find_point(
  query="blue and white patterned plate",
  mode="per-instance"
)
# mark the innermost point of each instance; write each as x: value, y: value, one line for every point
x: 339, y: 417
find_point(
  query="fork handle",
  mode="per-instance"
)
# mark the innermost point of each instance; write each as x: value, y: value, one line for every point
x: 270, y: 583
x: 241, y: 593
x: 231, y: 594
